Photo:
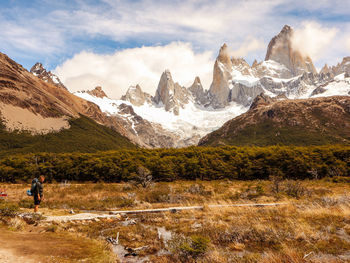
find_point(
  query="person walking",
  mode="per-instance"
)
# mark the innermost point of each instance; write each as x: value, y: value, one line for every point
x: 38, y: 192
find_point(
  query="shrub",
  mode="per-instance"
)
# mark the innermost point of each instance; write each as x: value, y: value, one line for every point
x: 158, y: 195
x: 188, y: 248
x: 194, y: 247
x: 8, y: 209
x: 143, y: 177
x: 294, y: 189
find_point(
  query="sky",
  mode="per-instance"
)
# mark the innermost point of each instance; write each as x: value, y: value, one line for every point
x: 118, y: 43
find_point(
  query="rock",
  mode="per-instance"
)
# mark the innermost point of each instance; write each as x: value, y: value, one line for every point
x: 219, y: 90
x: 171, y: 94
x: 244, y: 95
x: 136, y: 96
x: 97, y: 92
x: 196, y: 225
x: 281, y: 50
x: 47, y: 76
x: 196, y: 89
x: 129, y: 222
x: 343, y: 67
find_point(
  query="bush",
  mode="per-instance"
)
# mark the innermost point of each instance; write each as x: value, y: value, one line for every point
x: 158, y: 195
x: 194, y: 247
x: 8, y: 209
x: 294, y: 189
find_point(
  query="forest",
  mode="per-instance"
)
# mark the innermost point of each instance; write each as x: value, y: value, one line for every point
x: 203, y: 163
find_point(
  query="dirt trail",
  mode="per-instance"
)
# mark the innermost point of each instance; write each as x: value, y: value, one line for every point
x: 113, y: 214
x: 34, y: 246
x: 7, y: 256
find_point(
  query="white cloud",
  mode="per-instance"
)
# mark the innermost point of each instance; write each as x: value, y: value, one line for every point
x: 249, y: 45
x: 348, y: 44
x: 312, y: 39
x: 144, y: 66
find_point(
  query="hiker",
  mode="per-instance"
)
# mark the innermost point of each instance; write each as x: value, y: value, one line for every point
x: 38, y: 192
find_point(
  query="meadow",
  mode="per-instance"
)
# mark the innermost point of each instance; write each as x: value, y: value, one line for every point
x: 313, y: 225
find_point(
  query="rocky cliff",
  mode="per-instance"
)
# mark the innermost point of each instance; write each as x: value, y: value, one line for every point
x: 47, y: 76
x: 171, y: 94
x: 281, y: 50
x: 136, y: 96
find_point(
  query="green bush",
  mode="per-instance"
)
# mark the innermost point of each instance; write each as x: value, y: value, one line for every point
x: 193, y: 163
x: 196, y: 246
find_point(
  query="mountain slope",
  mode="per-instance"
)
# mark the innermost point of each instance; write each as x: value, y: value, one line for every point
x: 83, y: 135
x: 35, y: 107
x: 270, y: 121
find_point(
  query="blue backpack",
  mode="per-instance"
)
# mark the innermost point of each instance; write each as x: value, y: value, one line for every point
x: 30, y: 192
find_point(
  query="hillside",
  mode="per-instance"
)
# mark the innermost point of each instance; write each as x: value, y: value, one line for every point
x: 37, y: 115
x: 270, y: 121
x: 84, y: 135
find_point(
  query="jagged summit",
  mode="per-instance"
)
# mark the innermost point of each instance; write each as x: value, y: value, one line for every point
x: 224, y: 56
x: 136, y: 96
x: 280, y: 49
x: 47, y: 76
x: 220, y: 88
x: 343, y: 67
x: 97, y: 92
x: 171, y: 94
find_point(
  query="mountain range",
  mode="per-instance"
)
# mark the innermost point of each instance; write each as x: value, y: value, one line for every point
x: 189, y: 113
x: 284, y: 91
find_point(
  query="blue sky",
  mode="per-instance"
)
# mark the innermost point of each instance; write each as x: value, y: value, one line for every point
x: 55, y: 32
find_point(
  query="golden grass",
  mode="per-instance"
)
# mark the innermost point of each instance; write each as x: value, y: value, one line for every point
x: 313, y: 227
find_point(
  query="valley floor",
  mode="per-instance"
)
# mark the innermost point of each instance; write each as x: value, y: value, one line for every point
x: 313, y: 225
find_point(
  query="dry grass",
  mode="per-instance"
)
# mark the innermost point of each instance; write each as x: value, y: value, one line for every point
x: 313, y: 227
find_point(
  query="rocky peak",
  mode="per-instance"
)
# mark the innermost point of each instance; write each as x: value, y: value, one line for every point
x: 47, y: 76
x: 255, y: 63
x: 170, y: 94
x: 136, y: 96
x: 198, y: 93
x: 219, y: 90
x: 280, y: 49
x: 224, y: 57
x: 97, y: 92
x: 343, y: 67
x: 241, y: 65
x: 325, y: 69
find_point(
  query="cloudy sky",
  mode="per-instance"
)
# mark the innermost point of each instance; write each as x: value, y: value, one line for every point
x: 117, y: 43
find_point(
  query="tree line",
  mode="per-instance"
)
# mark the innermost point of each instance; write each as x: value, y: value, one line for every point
x: 204, y: 163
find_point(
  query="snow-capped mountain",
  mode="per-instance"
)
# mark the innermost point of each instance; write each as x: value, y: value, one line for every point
x: 178, y: 116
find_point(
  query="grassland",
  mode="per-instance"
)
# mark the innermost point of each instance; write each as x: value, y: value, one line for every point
x: 314, y: 225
